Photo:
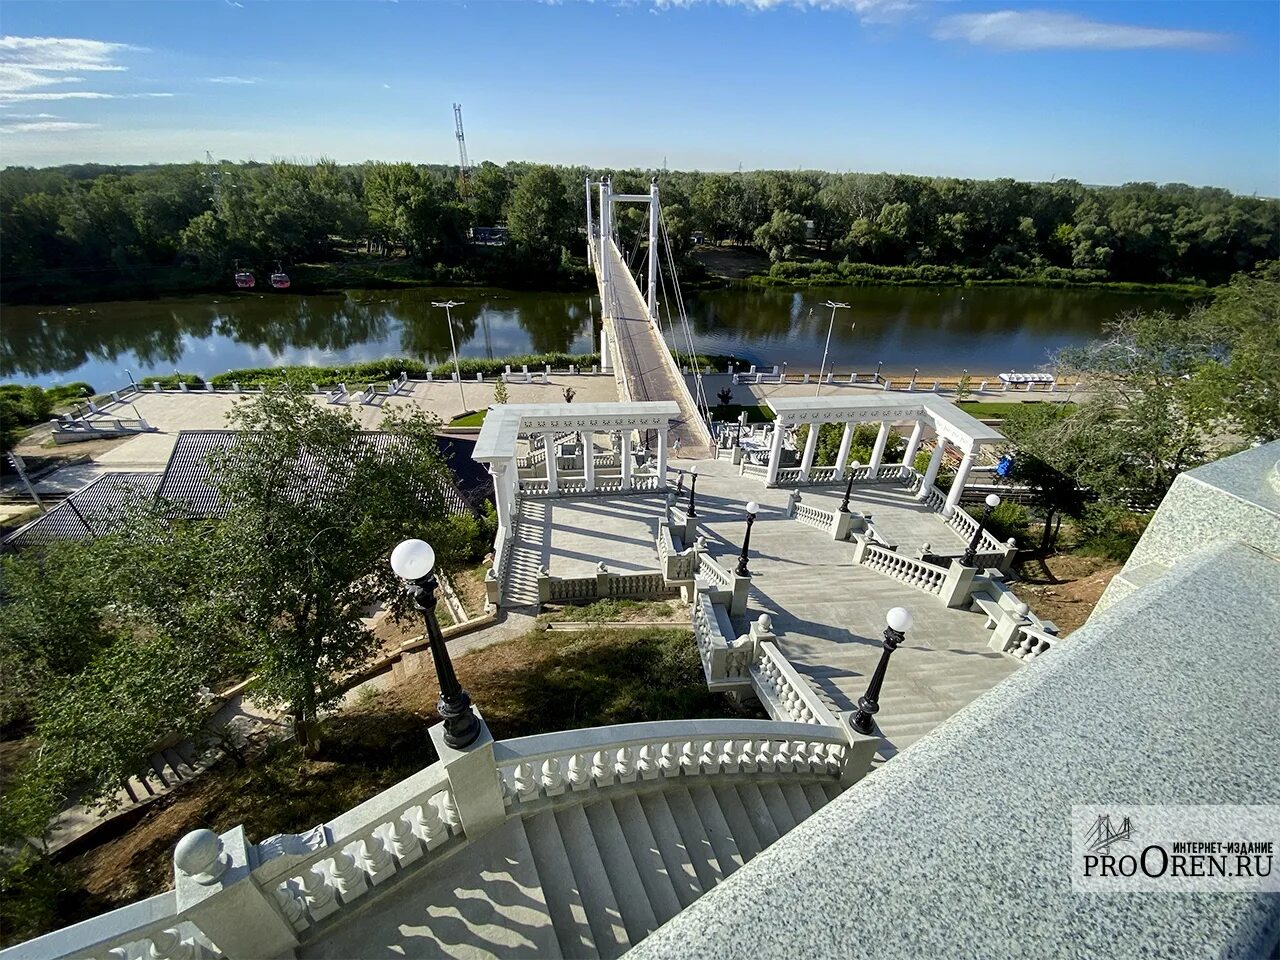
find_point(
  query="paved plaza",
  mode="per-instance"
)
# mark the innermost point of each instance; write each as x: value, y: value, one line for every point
x: 827, y: 612
x: 197, y: 410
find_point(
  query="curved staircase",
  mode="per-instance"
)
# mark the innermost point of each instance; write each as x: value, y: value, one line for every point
x: 579, y: 879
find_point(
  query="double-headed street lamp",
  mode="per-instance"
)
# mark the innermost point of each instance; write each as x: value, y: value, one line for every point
x: 848, y: 487
x: 971, y: 551
x: 752, y: 509
x: 899, y: 622
x: 457, y: 370
x: 414, y: 562
x: 830, y: 326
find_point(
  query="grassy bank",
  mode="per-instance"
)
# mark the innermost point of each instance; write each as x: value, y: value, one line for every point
x: 824, y: 273
x: 998, y: 411
x: 381, y: 371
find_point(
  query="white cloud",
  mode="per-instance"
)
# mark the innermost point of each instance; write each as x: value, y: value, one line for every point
x: 30, y: 116
x: 45, y: 126
x: 31, y: 66
x: 1046, y: 30
x: 231, y: 79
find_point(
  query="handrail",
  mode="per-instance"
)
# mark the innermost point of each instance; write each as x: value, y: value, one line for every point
x: 909, y: 570
x: 788, y: 689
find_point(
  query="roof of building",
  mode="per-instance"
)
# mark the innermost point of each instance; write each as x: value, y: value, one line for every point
x: 89, y: 511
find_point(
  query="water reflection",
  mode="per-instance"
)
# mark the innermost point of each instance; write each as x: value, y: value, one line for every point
x: 936, y: 330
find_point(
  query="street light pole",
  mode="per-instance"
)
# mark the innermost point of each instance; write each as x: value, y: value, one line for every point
x: 414, y: 562
x: 448, y: 312
x: 971, y: 551
x: 752, y: 509
x: 693, y: 485
x: 830, y: 326
x: 899, y: 622
x: 848, y: 487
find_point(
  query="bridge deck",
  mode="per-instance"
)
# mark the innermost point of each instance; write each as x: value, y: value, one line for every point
x: 643, y: 355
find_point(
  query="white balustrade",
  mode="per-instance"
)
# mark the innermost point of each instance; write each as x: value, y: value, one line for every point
x: 539, y: 767
x: 914, y: 573
x: 785, y: 693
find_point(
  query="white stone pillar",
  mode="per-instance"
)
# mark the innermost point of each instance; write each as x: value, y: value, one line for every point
x: 775, y: 452
x: 913, y: 444
x: 589, y: 459
x: 662, y: 458
x: 498, y: 472
x: 931, y: 471
x: 877, y: 452
x: 810, y: 448
x: 606, y: 360
x: 842, y: 458
x: 653, y: 251
x: 953, y: 498
x: 549, y: 444
x: 626, y: 459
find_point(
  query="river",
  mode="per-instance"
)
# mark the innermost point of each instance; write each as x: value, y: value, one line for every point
x: 939, y: 330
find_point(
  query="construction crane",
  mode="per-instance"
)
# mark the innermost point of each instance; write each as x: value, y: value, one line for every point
x: 464, y: 165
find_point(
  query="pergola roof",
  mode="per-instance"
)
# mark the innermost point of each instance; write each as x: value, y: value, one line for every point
x: 948, y: 420
x: 504, y: 422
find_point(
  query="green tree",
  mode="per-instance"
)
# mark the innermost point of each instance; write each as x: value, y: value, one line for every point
x: 309, y: 566
x: 540, y: 218
x: 781, y: 236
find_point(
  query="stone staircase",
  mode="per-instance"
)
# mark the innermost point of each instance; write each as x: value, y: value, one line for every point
x: 578, y: 879
x: 521, y: 588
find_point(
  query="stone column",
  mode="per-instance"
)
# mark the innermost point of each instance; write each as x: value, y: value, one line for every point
x: 499, y: 474
x: 626, y: 459
x: 662, y: 458
x: 606, y: 364
x: 775, y: 452
x: 842, y: 458
x: 589, y: 458
x: 549, y: 444
x: 877, y: 452
x: 931, y: 471
x: 953, y: 498
x: 913, y: 444
x: 810, y: 448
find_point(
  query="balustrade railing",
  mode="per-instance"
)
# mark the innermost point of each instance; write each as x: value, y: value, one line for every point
x: 746, y: 469
x: 914, y: 573
x: 712, y: 571
x: 822, y: 474
x: 786, y: 691
x: 815, y: 516
x: 1033, y: 643
x: 549, y: 765
x: 151, y: 929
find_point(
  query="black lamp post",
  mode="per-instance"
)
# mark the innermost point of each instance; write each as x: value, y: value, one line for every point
x: 971, y: 551
x: 414, y: 562
x: 752, y: 509
x: 848, y: 487
x: 693, y: 485
x: 899, y: 622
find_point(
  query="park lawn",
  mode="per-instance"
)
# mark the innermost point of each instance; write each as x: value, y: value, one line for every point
x: 998, y: 411
x: 472, y: 419
x: 537, y: 683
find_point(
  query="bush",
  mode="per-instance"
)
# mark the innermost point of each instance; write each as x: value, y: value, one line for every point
x: 1110, y: 531
x: 389, y: 368
x: 1010, y: 520
x: 171, y: 381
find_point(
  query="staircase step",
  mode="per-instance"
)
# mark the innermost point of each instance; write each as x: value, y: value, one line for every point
x: 797, y: 801
x: 486, y: 901
x: 817, y: 798
x: 620, y: 865
x: 610, y: 933
x: 832, y: 789
x: 559, y: 887
x: 753, y: 803
x: 672, y: 847
x: 696, y: 842
x: 735, y: 815
x: 718, y: 830
x: 644, y: 851
x: 779, y: 809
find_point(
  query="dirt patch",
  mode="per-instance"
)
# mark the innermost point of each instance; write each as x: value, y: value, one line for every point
x: 732, y: 263
x: 1065, y: 588
x: 468, y: 584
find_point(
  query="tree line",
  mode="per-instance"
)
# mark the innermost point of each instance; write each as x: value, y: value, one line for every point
x: 64, y: 224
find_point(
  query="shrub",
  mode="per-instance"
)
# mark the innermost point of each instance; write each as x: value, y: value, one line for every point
x: 1010, y: 520
x: 1110, y: 531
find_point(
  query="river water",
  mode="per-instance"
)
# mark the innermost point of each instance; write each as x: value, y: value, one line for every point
x: 939, y: 330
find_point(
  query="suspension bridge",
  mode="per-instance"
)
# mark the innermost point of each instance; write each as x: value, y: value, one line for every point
x: 632, y: 345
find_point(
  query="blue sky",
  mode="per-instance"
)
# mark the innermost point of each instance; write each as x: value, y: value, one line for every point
x: 1102, y: 92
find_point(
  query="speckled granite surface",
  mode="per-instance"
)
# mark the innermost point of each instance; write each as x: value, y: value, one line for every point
x: 1236, y: 498
x: 960, y: 847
